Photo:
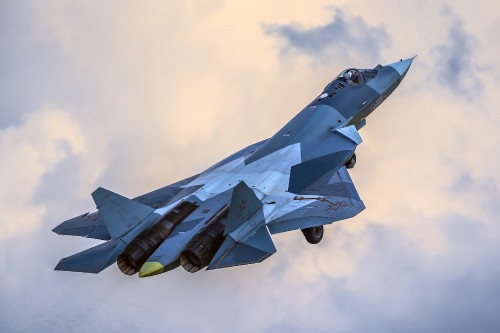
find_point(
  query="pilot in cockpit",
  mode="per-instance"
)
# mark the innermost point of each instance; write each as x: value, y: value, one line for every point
x: 352, y: 76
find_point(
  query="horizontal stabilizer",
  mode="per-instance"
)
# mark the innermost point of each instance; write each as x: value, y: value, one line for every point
x: 89, y: 225
x: 244, y: 203
x: 92, y: 260
x: 119, y: 214
x: 254, y: 249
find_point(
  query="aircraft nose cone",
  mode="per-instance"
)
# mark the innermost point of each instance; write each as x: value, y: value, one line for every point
x: 402, y: 66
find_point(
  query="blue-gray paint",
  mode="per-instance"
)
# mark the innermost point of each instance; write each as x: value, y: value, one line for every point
x: 314, y: 147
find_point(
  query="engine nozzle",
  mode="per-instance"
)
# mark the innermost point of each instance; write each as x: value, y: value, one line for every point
x: 143, y: 246
x: 202, y: 247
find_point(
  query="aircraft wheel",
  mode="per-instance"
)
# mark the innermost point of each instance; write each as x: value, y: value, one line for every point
x: 313, y: 235
x: 351, y: 162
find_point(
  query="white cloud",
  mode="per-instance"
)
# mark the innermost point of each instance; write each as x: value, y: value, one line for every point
x: 155, y: 92
x: 27, y: 153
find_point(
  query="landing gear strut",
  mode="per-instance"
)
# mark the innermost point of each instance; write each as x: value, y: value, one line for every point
x: 351, y: 162
x: 313, y: 235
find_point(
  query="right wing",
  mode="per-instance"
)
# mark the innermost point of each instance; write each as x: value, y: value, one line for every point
x: 331, y: 198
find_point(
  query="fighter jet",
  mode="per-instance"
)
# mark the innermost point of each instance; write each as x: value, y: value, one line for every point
x: 225, y: 216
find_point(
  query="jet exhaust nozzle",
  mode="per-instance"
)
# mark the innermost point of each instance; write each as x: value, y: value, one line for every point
x: 143, y: 246
x: 202, y: 247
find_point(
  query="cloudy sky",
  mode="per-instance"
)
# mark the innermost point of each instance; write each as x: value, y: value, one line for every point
x: 138, y: 94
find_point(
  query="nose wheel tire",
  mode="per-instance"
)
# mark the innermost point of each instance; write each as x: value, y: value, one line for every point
x: 313, y: 235
x: 351, y: 162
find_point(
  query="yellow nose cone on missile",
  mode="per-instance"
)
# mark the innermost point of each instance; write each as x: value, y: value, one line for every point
x: 150, y: 269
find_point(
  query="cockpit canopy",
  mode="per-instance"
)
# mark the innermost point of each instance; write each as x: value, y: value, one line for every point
x: 352, y: 76
x: 355, y: 76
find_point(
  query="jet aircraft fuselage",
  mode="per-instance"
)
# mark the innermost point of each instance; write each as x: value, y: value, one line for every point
x: 224, y: 216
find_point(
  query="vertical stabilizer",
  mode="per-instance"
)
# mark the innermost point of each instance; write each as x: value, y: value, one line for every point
x: 244, y: 203
x: 120, y: 214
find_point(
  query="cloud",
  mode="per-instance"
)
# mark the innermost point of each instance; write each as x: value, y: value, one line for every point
x: 343, y: 36
x: 456, y: 67
x: 146, y: 93
x: 28, y: 152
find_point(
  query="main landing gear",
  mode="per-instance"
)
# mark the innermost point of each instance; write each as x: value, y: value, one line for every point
x: 351, y: 162
x: 313, y: 235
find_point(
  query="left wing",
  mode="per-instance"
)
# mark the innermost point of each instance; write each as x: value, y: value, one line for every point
x: 91, y: 225
x: 331, y: 198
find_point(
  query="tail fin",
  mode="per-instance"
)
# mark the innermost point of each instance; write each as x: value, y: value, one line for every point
x: 244, y: 203
x: 251, y: 248
x: 120, y: 214
x: 254, y: 249
x: 93, y: 260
